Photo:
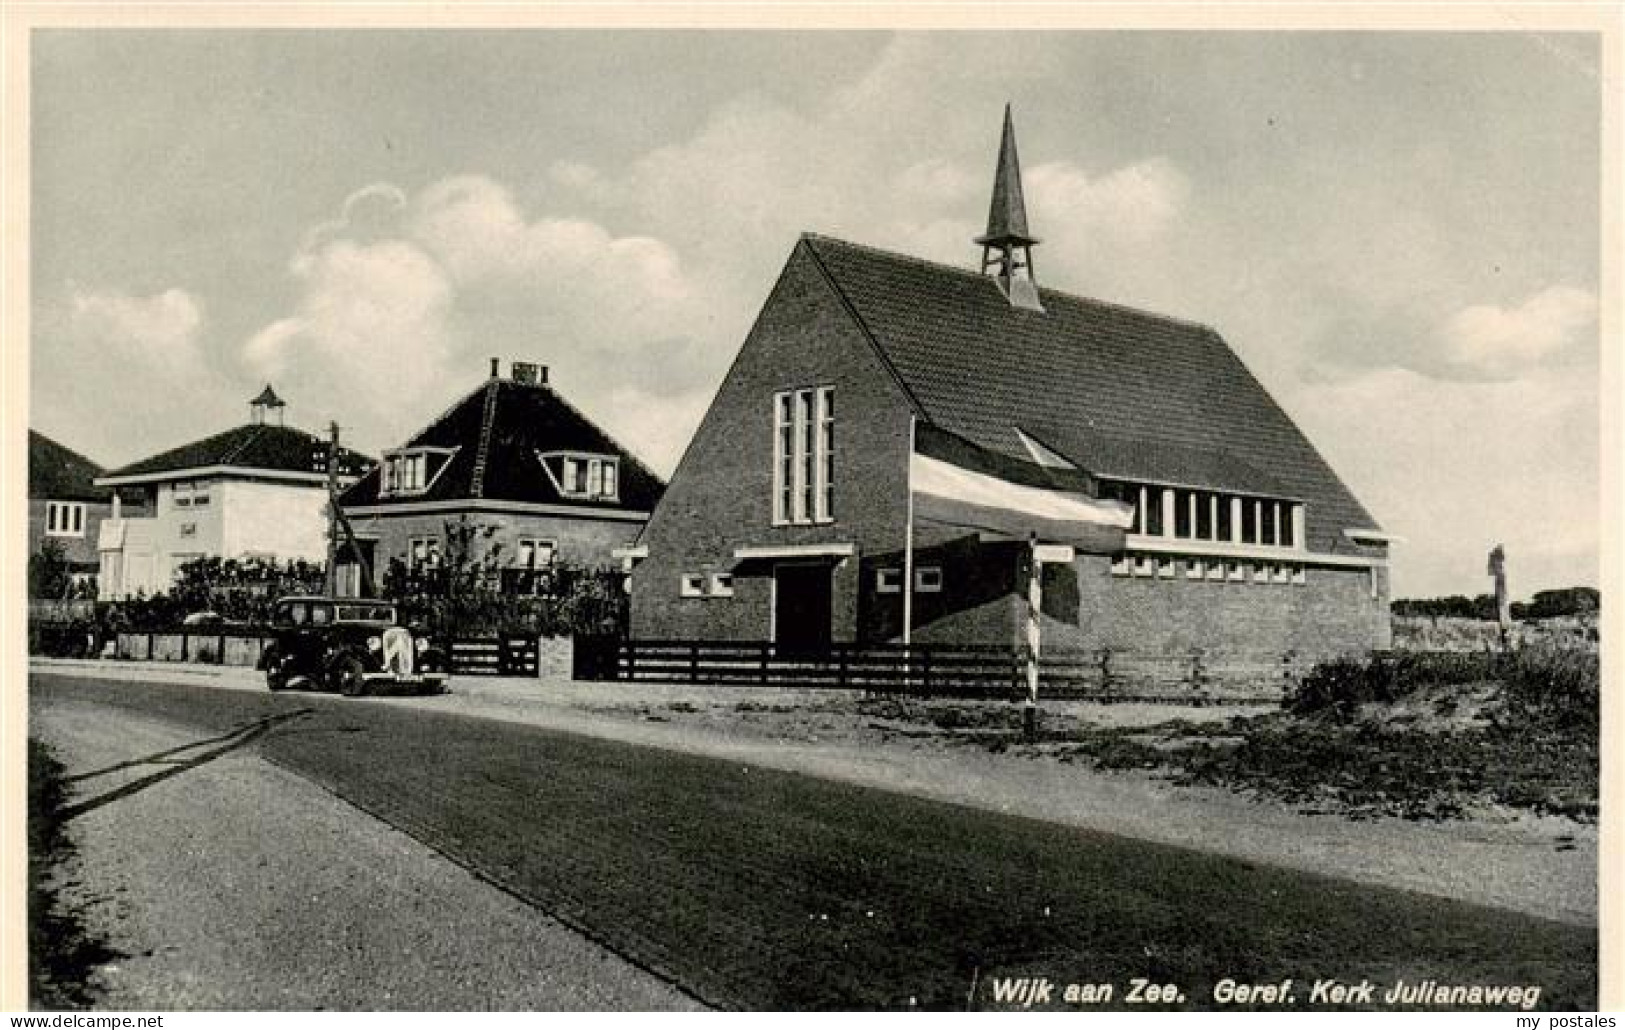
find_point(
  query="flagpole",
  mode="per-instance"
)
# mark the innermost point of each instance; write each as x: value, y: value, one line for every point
x: 1035, y: 605
x: 908, y: 544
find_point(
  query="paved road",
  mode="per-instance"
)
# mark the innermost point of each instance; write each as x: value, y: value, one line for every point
x: 755, y: 888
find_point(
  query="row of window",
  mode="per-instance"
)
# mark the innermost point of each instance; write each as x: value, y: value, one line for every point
x: 64, y: 518
x: 1214, y: 569
x: 804, y: 456
x: 701, y: 584
x: 927, y: 580
x: 406, y: 473
x: 583, y: 476
x: 591, y: 478
x: 423, y: 552
x: 189, y: 495
x: 1187, y: 514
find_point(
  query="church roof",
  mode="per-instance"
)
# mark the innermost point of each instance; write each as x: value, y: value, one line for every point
x: 525, y: 419
x: 1119, y: 392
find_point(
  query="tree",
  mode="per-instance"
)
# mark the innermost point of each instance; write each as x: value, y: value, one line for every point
x: 49, y: 575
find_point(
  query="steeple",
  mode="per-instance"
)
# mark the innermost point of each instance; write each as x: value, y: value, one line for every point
x: 1007, y: 245
x: 265, y: 403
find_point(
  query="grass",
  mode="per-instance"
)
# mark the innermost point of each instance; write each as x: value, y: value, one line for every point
x: 1423, y: 737
x: 62, y: 954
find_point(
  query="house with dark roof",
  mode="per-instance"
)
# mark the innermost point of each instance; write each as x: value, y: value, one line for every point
x: 517, y: 469
x: 789, y: 517
x: 65, y: 505
x: 257, y: 490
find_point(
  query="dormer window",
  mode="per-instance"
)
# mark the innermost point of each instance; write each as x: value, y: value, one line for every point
x: 584, y: 477
x: 412, y: 471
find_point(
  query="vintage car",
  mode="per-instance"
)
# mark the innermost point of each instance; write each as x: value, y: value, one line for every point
x: 350, y: 645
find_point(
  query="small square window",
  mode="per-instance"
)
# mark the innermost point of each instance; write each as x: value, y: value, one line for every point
x: 1145, y: 566
x: 928, y: 580
x: 1235, y: 571
x: 693, y: 585
x: 1195, y: 568
x: 1299, y: 576
x: 888, y: 581
x: 1122, y: 565
x: 1281, y: 574
x: 1165, y: 568
x: 1261, y: 573
x: 722, y: 584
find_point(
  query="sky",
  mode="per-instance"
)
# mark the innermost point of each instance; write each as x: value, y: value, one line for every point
x: 1397, y: 232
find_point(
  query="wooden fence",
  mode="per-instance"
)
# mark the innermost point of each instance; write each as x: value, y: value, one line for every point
x: 937, y: 670
x: 472, y: 656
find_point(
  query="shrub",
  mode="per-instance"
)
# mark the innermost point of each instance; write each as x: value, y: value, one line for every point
x: 1554, y: 687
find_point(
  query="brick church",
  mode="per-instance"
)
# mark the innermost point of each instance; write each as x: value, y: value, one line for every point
x: 790, y: 513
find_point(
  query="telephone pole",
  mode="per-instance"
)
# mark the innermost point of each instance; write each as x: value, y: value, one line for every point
x: 332, y: 508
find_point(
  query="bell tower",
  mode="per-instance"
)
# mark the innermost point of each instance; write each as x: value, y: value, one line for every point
x: 1007, y: 246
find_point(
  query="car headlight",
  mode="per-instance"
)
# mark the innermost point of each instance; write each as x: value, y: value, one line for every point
x: 421, y: 645
x: 375, y: 643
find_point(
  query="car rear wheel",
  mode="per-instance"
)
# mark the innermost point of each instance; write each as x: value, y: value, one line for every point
x: 348, y: 677
x: 275, y: 680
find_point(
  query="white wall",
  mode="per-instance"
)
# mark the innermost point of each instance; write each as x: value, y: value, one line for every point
x: 280, y: 519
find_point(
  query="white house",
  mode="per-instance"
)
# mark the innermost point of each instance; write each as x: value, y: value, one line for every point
x: 258, y: 490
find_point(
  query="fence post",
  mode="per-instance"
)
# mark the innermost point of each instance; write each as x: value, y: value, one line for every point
x: 631, y: 662
x: 693, y: 661
x: 925, y: 671
x: 220, y: 650
x: 840, y: 676
x: 766, y: 649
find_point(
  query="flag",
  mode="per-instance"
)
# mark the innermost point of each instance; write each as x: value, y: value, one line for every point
x: 956, y: 483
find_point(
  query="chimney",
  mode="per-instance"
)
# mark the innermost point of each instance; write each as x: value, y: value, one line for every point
x: 496, y: 368
x: 529, y: 373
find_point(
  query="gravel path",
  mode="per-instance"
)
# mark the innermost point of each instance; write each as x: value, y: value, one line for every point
x: 234, y: 884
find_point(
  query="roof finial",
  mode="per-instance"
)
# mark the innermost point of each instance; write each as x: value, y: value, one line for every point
x: 266, y: 401
x: 1007, y: 245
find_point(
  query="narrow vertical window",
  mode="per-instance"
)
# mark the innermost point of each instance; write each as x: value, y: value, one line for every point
x: 804, y: 455
x: 1266, y: 526
x: 1182, y: 514
x: 1249, y: 522
x: 806, y: 466
x: 826, y: 453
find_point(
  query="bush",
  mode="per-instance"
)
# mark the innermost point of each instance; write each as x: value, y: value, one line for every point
x: 1340, y: 687
x: 1553, y: 687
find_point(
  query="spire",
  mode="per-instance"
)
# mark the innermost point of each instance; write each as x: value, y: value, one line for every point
x: 1007, y: 244
x: 267, y: 401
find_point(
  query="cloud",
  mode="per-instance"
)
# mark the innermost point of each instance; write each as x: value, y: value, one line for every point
x: 1126, y: 207
x: 1456, y: 467
x: 93, y: 345
x: 1492, y: 342
x: 401, y: 298
x: 162, y: 328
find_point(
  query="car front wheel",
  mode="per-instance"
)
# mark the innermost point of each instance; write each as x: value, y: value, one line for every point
x: 348, y: 676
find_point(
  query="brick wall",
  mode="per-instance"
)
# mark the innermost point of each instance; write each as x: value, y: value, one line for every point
x: 580, y: 541
x: 721, y: 496
x: 80, y: 550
